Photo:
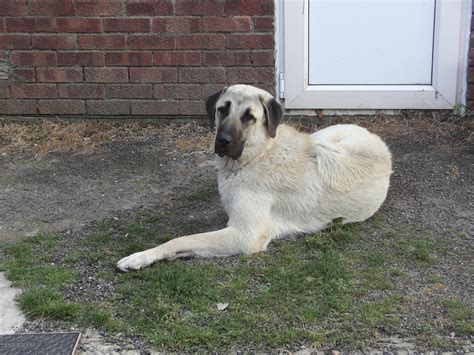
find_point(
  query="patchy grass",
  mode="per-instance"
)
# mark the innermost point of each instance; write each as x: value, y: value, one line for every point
x: 313, y: 290
x: 204, y: 194
x: 32, y: 269
x: 460, y: 315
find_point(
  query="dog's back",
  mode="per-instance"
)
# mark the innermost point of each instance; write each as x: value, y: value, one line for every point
x: 356, y: 165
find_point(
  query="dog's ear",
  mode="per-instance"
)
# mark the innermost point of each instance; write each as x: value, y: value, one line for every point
x: 211, y: 106
x: 273, y: 114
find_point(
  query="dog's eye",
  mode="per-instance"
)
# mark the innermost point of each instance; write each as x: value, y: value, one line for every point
x: 224, y: 110
x: 247, y: 117
x: 221, y: 110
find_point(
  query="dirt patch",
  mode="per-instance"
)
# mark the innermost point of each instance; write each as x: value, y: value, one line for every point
x: 165, y: 178
x: 54, y: 179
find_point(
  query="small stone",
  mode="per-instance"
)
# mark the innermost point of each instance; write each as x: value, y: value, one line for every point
x: 222, y: 306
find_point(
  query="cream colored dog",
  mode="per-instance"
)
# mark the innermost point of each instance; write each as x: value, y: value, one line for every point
x: 275, y: 181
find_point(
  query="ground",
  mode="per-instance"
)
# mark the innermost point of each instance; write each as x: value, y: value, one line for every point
x: 76, y: 197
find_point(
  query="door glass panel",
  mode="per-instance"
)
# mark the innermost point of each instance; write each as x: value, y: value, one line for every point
x: 371, y: 42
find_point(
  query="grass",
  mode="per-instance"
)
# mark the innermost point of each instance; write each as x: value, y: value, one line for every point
x: 460, y: 315
x: 312, y: 290
x: 204, y: 194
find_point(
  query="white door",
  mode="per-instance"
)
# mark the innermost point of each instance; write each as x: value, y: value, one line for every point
x: 373, y: 54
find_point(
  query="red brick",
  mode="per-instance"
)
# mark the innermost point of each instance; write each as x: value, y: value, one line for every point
x: 53, y: 41
x: 151, y: 42
x: 59, y: 75
x: 126, y: 25
x: 23, y: 75
x: 18, y: 107
x: 61, y: 107
x: 226, y: 58
x: 177, y: 58
x: 470, y: 105
x: 150, y: 8
x: 470, y: 92
x: 4, y: 91
x: 250, y: 75
x: 210, y: 89
x: 250, y: 41
x: 263, y: 24
x: 176, y: 24
x: 129, y: 91
x: 108, y: 107
x: 263, y: 58
x: 129, y: 58
x: 201, y: 41
x: 470, y: 75
x: 177, y: 91
x: 85, y: 59
x: 200, y: 7
x: 106, y: 75
x: 226, y: 24
x: 202, y: 75
x: 192, y: 107
x: 33, y: 91
x: 249, y: 7
x: 101, y: 41
x: 81, y: 91
x: 153, y: 75
x: 154, y: 107
x: 13, y: 8
x: 15, y: 41
x: 76, y: 24
x: 51, y: 7
x: 99, y: 8
x: 29, y: 24
x: 33, y: 59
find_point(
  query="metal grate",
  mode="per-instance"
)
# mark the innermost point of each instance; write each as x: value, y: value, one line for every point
x: 43, y: 343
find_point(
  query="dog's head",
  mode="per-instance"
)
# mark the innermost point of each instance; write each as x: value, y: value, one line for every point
x: 242, y: 116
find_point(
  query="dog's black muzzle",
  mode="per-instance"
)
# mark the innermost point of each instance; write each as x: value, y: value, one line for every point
x: 228, y: 144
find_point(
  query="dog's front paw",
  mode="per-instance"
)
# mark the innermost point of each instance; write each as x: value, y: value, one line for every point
x: 135, y: 261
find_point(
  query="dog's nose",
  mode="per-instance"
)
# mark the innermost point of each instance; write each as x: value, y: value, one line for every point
x: 223, y: 139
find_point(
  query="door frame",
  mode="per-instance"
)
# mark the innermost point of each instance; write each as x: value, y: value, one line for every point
x: 448, y: 89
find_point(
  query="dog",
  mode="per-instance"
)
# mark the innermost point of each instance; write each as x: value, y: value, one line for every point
x: 275, y: 181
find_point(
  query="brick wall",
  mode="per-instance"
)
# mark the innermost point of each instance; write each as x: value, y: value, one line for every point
x: 111, y: 57
x: 470, y: 73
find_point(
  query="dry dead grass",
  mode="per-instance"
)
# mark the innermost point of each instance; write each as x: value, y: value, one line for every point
x: 84, y: 137
x: 47, y: 136
x: 408, y: 123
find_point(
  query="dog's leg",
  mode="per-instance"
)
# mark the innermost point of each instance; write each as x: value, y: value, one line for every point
x: 224, y: 242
